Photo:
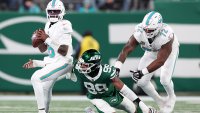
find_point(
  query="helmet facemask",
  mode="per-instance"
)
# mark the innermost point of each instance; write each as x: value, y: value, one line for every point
x: 151, y: 34
x: 152, y: 23
x: 55, y: 11
x: 85, y: 68
x: 89, y: 62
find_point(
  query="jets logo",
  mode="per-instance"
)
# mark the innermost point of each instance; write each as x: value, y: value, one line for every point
x: 95, y: 57
x: 113, y: 100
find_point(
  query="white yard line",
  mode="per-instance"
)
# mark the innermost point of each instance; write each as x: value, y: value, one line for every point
x: 84, y: 98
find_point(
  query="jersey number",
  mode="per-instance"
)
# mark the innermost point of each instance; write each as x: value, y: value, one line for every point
x: 164, y: 32
x: 95, y: 88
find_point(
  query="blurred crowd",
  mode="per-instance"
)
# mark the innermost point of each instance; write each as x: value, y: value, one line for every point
x: 37, y: 6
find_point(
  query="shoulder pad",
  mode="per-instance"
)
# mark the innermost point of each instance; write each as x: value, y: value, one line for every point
x: 66, y: 26
x: 138, y: 32
x: 109, y: 71
x: 166, y: 30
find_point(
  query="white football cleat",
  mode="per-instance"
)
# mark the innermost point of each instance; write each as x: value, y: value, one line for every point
x: 41, y: 111
x: 162, y: 104
x: 169, y: 106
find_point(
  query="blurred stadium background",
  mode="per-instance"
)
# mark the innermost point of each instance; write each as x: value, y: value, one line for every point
x: 111, y: 26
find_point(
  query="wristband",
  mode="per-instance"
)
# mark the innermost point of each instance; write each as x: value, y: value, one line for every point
x: 145, y: 71
x: 118, y: 64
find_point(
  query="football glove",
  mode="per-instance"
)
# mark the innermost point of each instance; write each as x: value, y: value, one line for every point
x: 136, y: 75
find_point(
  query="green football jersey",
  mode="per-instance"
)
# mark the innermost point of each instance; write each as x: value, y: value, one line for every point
x: 101, y: 85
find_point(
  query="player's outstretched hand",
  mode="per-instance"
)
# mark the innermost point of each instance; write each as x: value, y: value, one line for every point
x: 136, y: 75
x: 28, y: 64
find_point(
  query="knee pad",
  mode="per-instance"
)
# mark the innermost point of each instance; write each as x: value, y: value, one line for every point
x: 35, y: 77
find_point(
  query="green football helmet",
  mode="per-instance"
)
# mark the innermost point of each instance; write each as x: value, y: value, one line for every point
x: 89, y: 61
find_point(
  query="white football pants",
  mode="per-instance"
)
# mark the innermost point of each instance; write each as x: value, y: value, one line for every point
x: 165, y: 75
x: 44, y: 79
x: 126, y: 105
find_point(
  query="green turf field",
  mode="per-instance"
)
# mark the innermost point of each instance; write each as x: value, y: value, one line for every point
x: 78, y: 106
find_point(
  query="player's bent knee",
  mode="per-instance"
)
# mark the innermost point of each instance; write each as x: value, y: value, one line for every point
x: 35, y: 77
x: 165, y: 82
x: 142, y: 82
x: 165, y: 77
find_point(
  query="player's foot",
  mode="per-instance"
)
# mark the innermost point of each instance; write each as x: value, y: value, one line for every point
x: 170, y: 105
x: 89, y: 110
x: 152, y: 110
x: 162, y: 103
x: 41, y: 111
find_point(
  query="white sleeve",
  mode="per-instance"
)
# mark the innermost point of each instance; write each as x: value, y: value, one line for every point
x: 38, y: 63
x: 65, y: 39
x: 138, y: 32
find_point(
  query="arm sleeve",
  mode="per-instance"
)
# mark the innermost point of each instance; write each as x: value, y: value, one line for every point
x: 65, y: 37
x: 38, y: 63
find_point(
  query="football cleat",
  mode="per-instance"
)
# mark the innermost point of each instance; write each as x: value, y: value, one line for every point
x: 169, y: 105
x: 41, y: 111
x: 162, y: 104
x: 152, y: 110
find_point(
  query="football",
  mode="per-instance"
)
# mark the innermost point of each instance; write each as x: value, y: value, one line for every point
x: 35, y: 40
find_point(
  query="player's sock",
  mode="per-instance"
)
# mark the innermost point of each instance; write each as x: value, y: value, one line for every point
x: 150, y: 90
x: 170, y: 89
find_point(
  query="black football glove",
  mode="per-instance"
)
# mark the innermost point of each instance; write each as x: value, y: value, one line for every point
x: 136, y: 75
x: 117, y: 71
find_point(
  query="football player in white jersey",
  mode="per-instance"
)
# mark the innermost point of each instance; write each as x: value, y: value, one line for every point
x: 161, y: 48
x: 58, y: 42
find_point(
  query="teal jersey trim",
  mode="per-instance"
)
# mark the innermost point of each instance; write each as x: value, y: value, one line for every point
x: 52, y: 72
x: 53, y: 3
x: 51, y: 52
x: 148, y: 19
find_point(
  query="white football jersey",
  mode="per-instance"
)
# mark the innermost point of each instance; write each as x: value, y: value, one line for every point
x: 164, y: 36
x: 60, y: 32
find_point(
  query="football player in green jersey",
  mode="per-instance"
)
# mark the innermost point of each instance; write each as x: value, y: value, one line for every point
x: 105, y: 90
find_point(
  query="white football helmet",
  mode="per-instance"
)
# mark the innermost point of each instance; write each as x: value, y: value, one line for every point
x: 152, y: 23
x: 55, y: 10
